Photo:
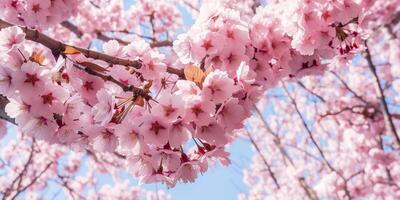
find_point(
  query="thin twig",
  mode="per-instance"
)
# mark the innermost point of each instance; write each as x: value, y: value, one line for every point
x: 58, y: 47
x: 271, y: 173
x: 386, y: 114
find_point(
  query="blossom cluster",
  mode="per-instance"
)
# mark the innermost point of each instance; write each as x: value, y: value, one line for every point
x: 349, y: 128
x: 347, y: 121
x: 169, y: 126
x: 284, y: 39
x: 37, y: 13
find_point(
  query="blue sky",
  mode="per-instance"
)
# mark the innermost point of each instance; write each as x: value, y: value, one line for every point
x: 218, y: 182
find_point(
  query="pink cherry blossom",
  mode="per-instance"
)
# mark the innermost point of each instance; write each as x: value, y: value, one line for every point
x: 169, y: 107
x: 140, y: 89
x: 217, y: 87
x: 10, y: 37
x: 155, y: 130
x: 103, y: 111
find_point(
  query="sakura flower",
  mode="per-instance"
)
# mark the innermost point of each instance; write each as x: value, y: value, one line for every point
x: 11, y: 9
x: 103, y: 111
x: 120, y: 73
x: 211, y: 43
x: 216, y: 153
x: 217, y: 87
x: 74, y: 106
x: 141, y: 165
x: 16, y: 108
x: 187, y: 89
x: 157, y: 177
x: 187, y: 172
x: 153, y: 66
x: 212, y: 133
x: 183, y: 47
x: 40, y: 127
x: 66, y: 135
x: 170, y: 107
x: 36, y: 12
x: 167, y: 159
x: 231, y: 114
x: 199, y: 111
x: 231, y: 60
x: 244, y: 75
x: 87, y: 85
x: 105, y: 142
x: 236, y: 34
x: 14, y: 58
x: 179, y: 134
x: 6, y: 80
x: 155, y: 130
x: 304, y: 65
x: 138, y: 48
x: 112, y: 48
x: 9, y: 37
x: 30, y: 79
x: 128, y: 136
x: 51, y: 100
x: 305, y: 44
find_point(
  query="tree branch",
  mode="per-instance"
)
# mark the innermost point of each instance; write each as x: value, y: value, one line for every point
x: 21, y: 174
x: 311, y: 194
x: 311, y: 92
x: 381, y: 95
x: 308, y: 129
x: 3, y: 115
x: 33, y: 181
x: 271, y: 173
x: 58, y: 47
x: 102, y: 36
x: 322, y: 154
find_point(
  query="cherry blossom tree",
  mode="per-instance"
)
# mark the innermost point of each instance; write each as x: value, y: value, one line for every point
x: 114, y: 87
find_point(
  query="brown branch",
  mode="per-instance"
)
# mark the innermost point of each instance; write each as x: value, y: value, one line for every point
x: 395, y: 116
x: 120, y: 155
x: 396, y: 19
x: 311, y: 92
x: 255, y: 5
x: 106, y: 38
x: 349, y: 109
x: 33, y: 181
x: 58, y: 47
x: 64, y: 183
x: 311, y: 194
x: 68, y: 25
x: 390, y: 31
x: 381, y: 146
x: 102, y: 36
x: 112, y: 79
x: 3, y: 115
x: 309, y: 191
x: 311, y: 136
x: 271, y: 173
x: 322, y: 154
x: 348, y: 87
x: 21, y: 174
x: 190, y: 6
x: 386, y: 114
x: 277, y: 139
x: 164, y: 43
